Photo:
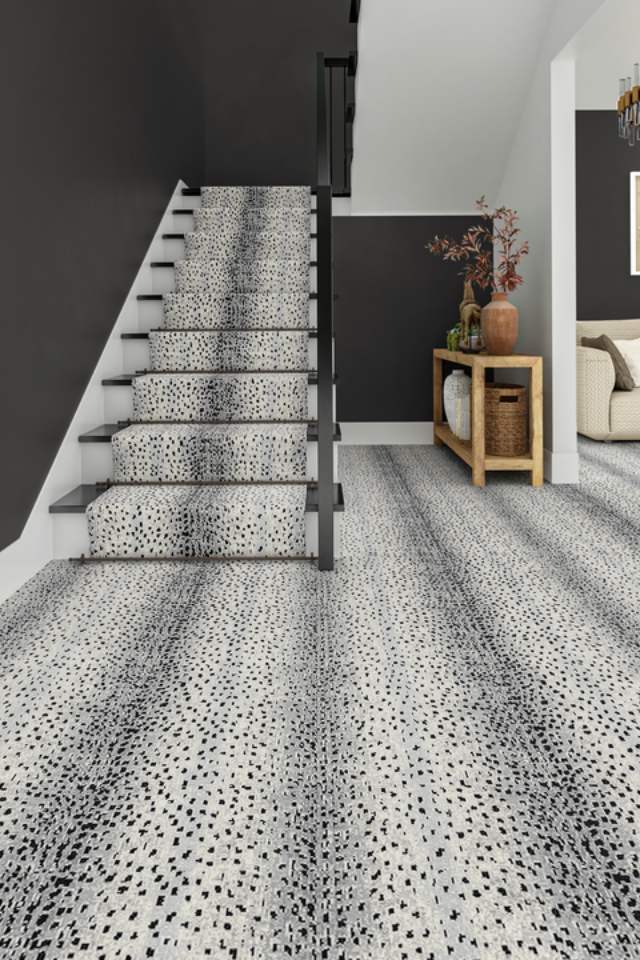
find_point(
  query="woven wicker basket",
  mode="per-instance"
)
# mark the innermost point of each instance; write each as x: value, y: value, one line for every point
x: 506, y: 420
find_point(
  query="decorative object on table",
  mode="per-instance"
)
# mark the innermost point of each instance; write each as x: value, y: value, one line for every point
x: 491, y: 253
x: 457, y: 403
x: 470, y: 316
x: 453, y: 338
x: 500, y: 325
x: 506, y: 420
x: 474, y: 342
x: 629, y: 107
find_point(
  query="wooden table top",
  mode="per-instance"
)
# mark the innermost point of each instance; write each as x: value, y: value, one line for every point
x: 486, y: 359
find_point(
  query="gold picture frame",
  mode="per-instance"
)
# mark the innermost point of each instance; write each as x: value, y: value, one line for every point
x: 635, y: 224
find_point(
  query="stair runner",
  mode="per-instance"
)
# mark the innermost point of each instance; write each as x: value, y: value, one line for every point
x: 240, y: 311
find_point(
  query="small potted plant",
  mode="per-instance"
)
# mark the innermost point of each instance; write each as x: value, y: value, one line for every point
x: 491, y: 253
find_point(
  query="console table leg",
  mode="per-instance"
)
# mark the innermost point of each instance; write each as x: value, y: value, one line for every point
x: 437, y: 397
x: 537, y: 453
x: 477, y: 425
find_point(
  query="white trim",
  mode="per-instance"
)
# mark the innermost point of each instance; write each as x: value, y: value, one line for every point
x: 35, y: 546
x: 560, y: 375
x: 414, y: 213
x: 561, y: 467
x: 341, y: 206
x: 633, y: 176
x: 387, y: 434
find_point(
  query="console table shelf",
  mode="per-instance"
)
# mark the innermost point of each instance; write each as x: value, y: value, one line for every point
x: 473, y: 452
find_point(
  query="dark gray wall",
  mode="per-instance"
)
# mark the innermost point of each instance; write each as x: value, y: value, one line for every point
x: 606, y: 289
x: 261, y: 86
x: 102, y: 112
x: 395, y: 304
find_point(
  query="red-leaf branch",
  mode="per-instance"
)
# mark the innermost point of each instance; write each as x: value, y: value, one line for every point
x: 490, y: 251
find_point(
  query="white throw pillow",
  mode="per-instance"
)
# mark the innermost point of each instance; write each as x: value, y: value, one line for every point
x: 630, y: 350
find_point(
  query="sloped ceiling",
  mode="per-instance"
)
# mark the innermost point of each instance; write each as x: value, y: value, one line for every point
x: 440, y: 87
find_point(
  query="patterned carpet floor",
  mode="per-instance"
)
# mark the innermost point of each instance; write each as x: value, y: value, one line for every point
x: 433, y: 753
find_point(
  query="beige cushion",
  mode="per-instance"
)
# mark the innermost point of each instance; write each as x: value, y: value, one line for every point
x: 616, y: 329
x: 624, y: 378
x: 630, y: 350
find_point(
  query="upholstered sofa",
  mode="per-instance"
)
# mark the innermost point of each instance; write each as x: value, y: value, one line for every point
x: 605, y: 413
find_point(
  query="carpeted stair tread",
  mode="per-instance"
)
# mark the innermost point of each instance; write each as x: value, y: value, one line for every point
x: 219, y: 453
x: 250, y: 219
x: 198, y: 522
x: 224, y: 277
x: 203, y: 308
x: 241, y: 244
x: 251, y: 350
x: 243, y: 396
x: 188, y: 487
x: 239, y: 198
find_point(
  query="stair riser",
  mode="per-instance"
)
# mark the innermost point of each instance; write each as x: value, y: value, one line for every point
x: 198, y: 522
x: 97, y: 462
x: 71, y: 536
x: 226, y: 397
x: 118, y: 403
x: 163, y: 280
x: 151, y: 314
x: 185, y: 223
x: 237, y: 245
x: 137, y: 355
x: 175, y: 249
x: 259, y: 197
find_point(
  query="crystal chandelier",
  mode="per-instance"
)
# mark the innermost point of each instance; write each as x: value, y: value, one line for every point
x: 629, y: 108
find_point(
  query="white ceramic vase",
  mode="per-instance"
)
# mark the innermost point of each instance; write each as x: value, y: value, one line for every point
x: 457, y: 403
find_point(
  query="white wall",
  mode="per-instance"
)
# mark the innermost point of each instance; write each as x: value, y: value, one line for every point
x: 439, y: 90
x: 539, y: 181
x: 35, y: 547
x: 605, y: 50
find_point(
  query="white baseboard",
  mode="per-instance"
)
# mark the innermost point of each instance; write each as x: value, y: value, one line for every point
x: 35, y: 546
x: 387, y: 434
x: 561, y: 467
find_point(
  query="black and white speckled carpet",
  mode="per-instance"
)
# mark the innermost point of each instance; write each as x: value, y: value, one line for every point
x: 431, y: 754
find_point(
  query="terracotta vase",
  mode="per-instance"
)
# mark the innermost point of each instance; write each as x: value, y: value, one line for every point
x: 500, y: 326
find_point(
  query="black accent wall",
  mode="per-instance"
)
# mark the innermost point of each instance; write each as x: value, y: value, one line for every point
x: 395, y: 304
x: 260, y: 68
x: 606, y: 289
x: 102, y: 113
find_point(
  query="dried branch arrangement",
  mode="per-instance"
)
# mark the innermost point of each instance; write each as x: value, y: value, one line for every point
x: 491, y: 251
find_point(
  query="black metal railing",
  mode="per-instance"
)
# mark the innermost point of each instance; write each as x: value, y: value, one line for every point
x: 324, y: 229
x: 339, y: 85
x: 334, y: 154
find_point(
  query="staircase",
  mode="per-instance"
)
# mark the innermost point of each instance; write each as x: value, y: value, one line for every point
x: 215, y: 445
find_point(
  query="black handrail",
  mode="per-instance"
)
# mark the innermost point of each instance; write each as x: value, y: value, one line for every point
x: 324, y: 214
x: 339, y: 73
x: 328, y: 147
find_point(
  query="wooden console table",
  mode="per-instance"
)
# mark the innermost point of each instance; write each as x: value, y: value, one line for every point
x: 473, y: 451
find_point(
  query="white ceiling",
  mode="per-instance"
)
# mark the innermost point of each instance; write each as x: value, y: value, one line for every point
x: 440, y: 87
x: 605, y: 50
